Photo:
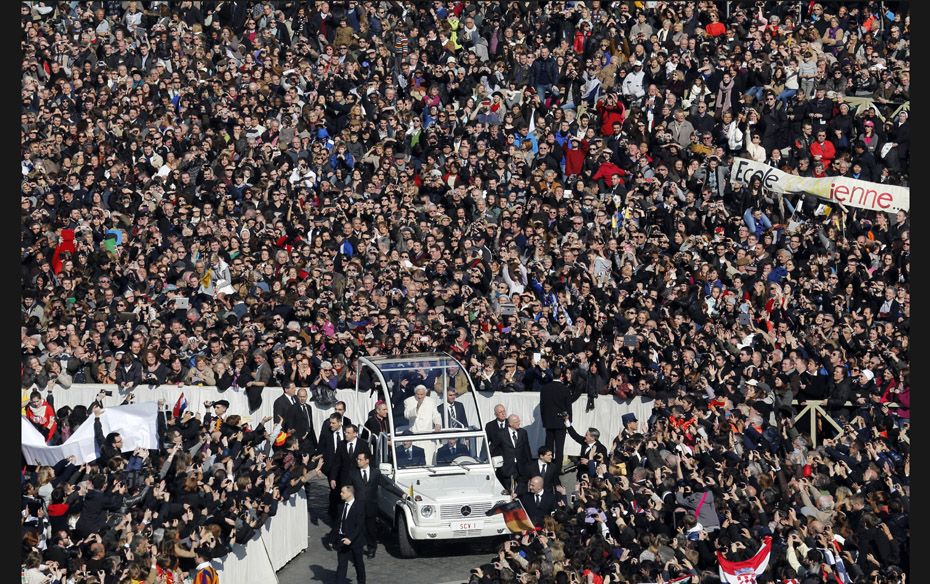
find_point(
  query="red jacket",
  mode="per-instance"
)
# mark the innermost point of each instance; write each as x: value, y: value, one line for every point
x: 606, y: 170
x: 827, y: 152
x: 44, y: 417
x: 67, y: 244
x: 715, y: 29
x: 609, y: 115
x: 574, y: 162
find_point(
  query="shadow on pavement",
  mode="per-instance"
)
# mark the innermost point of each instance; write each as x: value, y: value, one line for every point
x: 321, y: 574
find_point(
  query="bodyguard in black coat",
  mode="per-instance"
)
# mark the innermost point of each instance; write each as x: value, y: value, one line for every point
x: 330, y: 435
x: 284, y: 402
x: 516, y: 452
x: 299, y: 421
x: 343, y: 462
x: 537, y: 503
x: 365, y: 479
x: 555, y: 399
x: 348, y: 535
x: 543, y: 467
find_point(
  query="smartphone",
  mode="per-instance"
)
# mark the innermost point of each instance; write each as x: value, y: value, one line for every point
x: 567, y: 193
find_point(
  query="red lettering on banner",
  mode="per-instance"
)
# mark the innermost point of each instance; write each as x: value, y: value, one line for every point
x: 884, y: 200
x: 840, y: 190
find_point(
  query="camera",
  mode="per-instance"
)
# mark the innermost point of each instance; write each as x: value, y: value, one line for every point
x: 508, y: 309
x: 107, y: 392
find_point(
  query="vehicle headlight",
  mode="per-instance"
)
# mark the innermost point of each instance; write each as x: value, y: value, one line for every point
x: 426, y: 511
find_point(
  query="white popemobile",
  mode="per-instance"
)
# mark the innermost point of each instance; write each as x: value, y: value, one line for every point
x: 437, y: 477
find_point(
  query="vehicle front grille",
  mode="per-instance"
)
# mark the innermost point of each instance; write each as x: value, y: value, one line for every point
x: 455, y: 511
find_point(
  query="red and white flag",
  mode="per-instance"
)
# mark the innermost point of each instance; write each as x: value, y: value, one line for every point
x: 745, y: 572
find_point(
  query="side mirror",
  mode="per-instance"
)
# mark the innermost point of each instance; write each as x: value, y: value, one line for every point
x: 497, y: 461
x: 387, y: 469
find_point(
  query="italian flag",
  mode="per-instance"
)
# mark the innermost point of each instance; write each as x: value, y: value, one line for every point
x: 745, y: 572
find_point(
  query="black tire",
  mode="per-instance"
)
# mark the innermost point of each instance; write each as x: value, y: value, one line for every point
x: 407, y: 547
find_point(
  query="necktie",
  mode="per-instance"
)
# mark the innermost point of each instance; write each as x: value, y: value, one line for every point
x: 345, y: 512
x: 451, y: 413
x: 306, y: 413
x: 350, y: 450
x: 365, y: 475
x: 538, y: 497
x: 338, y: 438
x: 452, y: 450
x: 513, y: 434
x: 501, y: 424
x: 544, y: 469
x: 410, y: 453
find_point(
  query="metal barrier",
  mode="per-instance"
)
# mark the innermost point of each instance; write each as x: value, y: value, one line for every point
x: 812, y: 407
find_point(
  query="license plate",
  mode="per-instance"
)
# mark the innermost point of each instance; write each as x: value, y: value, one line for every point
x: 464, y: 525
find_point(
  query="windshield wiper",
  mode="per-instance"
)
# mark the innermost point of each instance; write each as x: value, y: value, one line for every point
x: 462, y: 466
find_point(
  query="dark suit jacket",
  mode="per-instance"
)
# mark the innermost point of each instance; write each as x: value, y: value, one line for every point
x: 494, y: 437
x: 301, y: 424
x: 554, y: 397
x: 343, y: 464
x: 280, y: 407
x: 418, y: 458
x: 366, y: 492
x: 326, y: 445
x: 353, y: 527
x: 537, y: 512
x: 598, y: 447
x: 531, y: 469
x: 515, y: 457
x: 459, y: 415
x: 445, y: 455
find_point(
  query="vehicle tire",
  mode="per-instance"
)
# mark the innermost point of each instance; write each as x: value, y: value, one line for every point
x: 406, y: 545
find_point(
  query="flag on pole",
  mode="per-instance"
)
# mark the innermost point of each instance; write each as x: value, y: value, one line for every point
x: 514, y: 515
x: 410, y: 491
x: 745, y: 572
x: 180, y: 406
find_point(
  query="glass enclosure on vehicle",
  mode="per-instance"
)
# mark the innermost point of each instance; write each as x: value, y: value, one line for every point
x: 430, y: 397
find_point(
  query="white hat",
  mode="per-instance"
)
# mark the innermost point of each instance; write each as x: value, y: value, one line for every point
x: 869, y: 376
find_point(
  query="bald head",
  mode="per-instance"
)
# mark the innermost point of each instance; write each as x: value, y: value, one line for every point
x: 513, y: 421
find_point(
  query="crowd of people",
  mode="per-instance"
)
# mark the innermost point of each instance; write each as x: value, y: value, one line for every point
x: 250, y: 195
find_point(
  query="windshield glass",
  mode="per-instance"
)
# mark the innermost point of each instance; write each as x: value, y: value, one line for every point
x: 418, y: 452
x: 429, y: 395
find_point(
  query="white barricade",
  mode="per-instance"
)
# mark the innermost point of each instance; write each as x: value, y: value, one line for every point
x: 280, y: 540
x: 605, y: 416
x: 285, y: 535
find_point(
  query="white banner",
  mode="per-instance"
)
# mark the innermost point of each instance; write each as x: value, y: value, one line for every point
x: 848, y: 191
x: 136, y: 423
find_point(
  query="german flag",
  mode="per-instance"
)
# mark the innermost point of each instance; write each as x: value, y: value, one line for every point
x: 514, y: 515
